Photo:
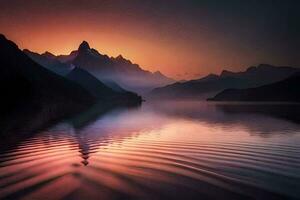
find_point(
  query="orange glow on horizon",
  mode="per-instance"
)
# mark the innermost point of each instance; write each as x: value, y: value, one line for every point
x: 152, y: 56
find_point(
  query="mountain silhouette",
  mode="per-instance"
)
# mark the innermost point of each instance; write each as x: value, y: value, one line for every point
x: 67, y: 58
x: 287, y: 90
x: 50, y: 62
x: 31, y: 91
x: 84, y: 46
x: 100, y: 90
x: 113, y: 85
x: 212, y: 84
x: 119, y: 70
x: 54, y: 64
x: 26, y: 84
x: 89, y: 82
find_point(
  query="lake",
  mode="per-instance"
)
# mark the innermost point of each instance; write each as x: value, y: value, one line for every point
x: 161, y: 150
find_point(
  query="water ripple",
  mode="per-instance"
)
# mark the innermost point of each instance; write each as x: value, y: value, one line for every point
x: 182, y: 159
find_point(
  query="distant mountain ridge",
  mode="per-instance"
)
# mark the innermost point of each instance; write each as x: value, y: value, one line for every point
x: 210, y: 85
x: 127, y: 74
x: 50, y: 62
x: 287, y: 90
x: 120, y: 70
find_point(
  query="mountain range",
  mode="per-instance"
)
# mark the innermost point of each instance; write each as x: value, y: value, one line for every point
x: 107, y: 79
x: 27, y: 85
x: 107, y: 69
x: 287, y: 90
x: 212, y: 84
x: 50, y: 62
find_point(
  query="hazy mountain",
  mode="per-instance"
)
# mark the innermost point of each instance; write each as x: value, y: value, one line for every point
x: 197, y: 88
x: 212, y: 84
x: 90, y: 83
x: 100, y: 90
x: 287, y: 90
x: 50, y: 62
x: 113, y: 85
x: 262, y: 74
x: 118, y: 70
x: 59, y: 65
x: 23, y: 81
x: 67, y: 58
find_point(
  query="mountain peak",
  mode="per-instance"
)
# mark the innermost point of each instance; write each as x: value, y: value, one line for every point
x: 48, y: 55
x: 84, y: 46
x: 157, y: 73
x: 2, y: 37
x: 226, y: 73
x: 120, y: 57
x: 251, y: 69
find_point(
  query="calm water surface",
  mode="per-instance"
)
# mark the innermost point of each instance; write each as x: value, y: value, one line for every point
x: 166, y: 150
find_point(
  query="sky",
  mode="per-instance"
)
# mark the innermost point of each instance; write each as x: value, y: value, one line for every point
x: 184, y: 39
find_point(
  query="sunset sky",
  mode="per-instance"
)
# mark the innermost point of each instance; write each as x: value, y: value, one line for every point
x: 183, y: 39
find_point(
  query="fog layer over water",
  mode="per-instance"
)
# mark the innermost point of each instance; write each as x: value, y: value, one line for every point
x: 161, y: 150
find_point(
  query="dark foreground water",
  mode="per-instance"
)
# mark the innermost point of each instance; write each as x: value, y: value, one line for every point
x: 166, y: 150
